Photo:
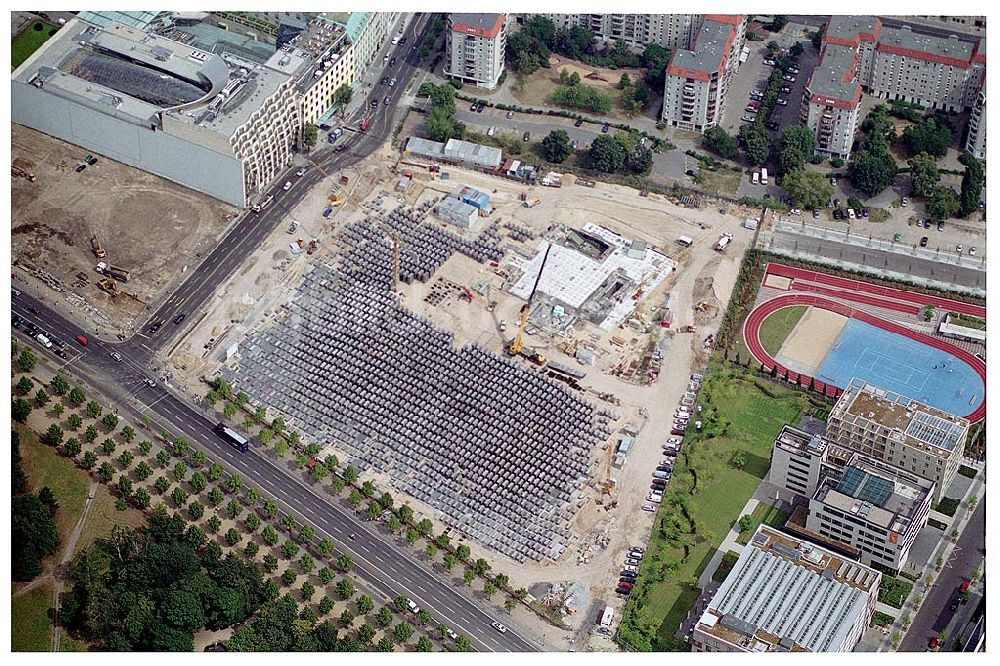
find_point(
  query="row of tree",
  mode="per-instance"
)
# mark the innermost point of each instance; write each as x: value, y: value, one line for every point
x: 33, y: 530
x: 440, y: 123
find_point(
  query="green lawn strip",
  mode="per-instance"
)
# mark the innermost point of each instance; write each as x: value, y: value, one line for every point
x: 763, y: 514
x: 31, y: 627
x: 947, y: 506
x: 68, y: 483
x: 741, y: 414
x: 722, y: 180
x: 968, y: 472
x: 776, y: 327
x: 880, y: 619
x: 28, y: 42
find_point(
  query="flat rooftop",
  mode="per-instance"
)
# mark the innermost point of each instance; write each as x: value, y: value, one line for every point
x: 710, y: 49
x: 833, y: 78
x: 876, y: 492
x: 927, y: 425
x: 787, y: 594
x: 797, y: 441
x: 850, y: 27
x: 906, y: 38
x: 141, y: 75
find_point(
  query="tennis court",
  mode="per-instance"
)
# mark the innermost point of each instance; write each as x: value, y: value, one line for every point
x: 902, y: 365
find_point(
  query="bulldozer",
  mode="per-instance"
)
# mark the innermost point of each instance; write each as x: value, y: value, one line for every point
x: 110, y: 286
x: 95, y: 243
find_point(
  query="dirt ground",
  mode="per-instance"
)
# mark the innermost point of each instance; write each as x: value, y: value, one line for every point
x: 605, y: 525
x: 147, y: 225
x: 811, y: 338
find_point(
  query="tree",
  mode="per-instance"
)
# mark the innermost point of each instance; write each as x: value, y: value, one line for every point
x: 26, y: 361
x: 449, y: 562
x: 215, y: 496
x: 24, y: 385
x: 180, y: 471
x: 309, y: 136
x: 306, y: 563
x: 110, y: 422
x: 463, y: 552
x: 145, y: 446
x: 797, y: 145
x: 251, y: 549
x: 289, y: 549
x: 307, y: 533
x: 125, y: 459
x: 59, y: 385
x: 89, y: 460
x: 234, y: 483
x: 108, y: 446
x: 354, y: 498
x: 20, y: 410
x: 556, y: 146
x: 440, y: 126
x: 161, y: 484
x: 179, y: 497
x: 77, y: 397
x: 402, y: 632
x: 924, y: 175
x: 325, y: 547
x: 57, y: 410
x: 773, y: 47
x: 365, y: 634
x: 639, y: 161
x: 90, y: 434
x: 288, y: 577
x: 796, y: 50
x: 345, y: 563
x: 350, y: 474
x: 270, y: 563
x: 94, y: 409
x: 342, y: 96
x: 383, y: 618
x: 308, y: 590
x: 871, y: 171
x: 469, y: 576
x: 105, y: 472
x: 807, y: 189
x: 198, y: 482
x: 943, y: 203
x: 33, y: 536
x: 718, y: 141
x: 606, y: 154
x: 745, y: 523
x: 252, y: 522
x: 972, y: 185
x: 489, y: 589
x: 141, y: 498
x: 71, y: 448
x: 931, y: 135
x: 41, y: 398
x: 424, y: 644
x: 215, y: 471
x: 270, y: 508
x: 756, y: 144
x: 325, y: 605
x: 462, y: 644
x: 74, y: 421
x: 234, y: 509
x: 345, y: 588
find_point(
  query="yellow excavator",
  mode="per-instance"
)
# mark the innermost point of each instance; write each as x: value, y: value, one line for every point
x: 515, y: 346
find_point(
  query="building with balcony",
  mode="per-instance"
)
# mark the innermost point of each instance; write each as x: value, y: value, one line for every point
x: 887, y: 426
x: 832, y: 99
x: 672, y: 31
x: 477, y: 45
x: 698, y: 78
x: 874, y: 507
x: 162, y: 105
x: 786, y: 594
x: 975, y: 141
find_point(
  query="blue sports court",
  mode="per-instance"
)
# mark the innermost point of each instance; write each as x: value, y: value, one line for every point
x: 902, y: 365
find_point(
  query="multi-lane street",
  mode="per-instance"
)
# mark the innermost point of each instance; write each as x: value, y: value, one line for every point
x: 388, y: 567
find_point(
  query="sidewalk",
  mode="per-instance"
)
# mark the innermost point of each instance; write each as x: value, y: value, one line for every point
x: 944, y: 551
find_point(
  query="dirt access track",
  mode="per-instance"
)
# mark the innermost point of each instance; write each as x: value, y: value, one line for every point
x: 147, y: 225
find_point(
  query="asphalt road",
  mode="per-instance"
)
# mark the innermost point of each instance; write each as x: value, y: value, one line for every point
x: 387, y: 566
x: 899, y: 262
x: 249, y: 233
x: 935, y: 613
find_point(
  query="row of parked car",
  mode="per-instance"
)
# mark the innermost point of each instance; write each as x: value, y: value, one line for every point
x: 630, y: 571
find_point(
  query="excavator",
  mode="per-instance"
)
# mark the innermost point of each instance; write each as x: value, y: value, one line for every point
x: 515, y: 346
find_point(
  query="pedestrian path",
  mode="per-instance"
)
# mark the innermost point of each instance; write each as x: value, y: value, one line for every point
x: 728, y: 544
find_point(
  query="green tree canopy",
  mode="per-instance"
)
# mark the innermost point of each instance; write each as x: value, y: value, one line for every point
x: 924, y: 175
x: 556, y: 146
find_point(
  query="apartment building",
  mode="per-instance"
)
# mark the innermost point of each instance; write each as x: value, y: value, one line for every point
x: 477, y: 44
x: 672, y: 31
x: 161, y: 105
x: 873, y: 506
x: 786, y: 594
x: 975, y: 142
x: 698, y: 78
x: 887, y: 426
x: 859, y: 53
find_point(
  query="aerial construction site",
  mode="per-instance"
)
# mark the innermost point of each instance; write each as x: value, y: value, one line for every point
x: 481, y: 347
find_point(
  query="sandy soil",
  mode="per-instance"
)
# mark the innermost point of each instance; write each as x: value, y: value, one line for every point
x: 147, y: 225
x: 599, y: 77
x: 811, y: 338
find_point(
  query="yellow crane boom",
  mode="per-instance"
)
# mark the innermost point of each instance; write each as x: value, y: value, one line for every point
x: 517, y: 344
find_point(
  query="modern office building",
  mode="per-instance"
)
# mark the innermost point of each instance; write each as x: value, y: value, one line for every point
x: 887, y: 426
x: 799, y: 460
x: 477, y: 45
x: 875, y: 507
x: 698, y: 78
x: 975, y: 142
x: 162, y: 105
x: 788, y: 595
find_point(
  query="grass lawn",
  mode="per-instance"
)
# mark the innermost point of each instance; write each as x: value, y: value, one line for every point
x: 45, y: 467
x: 31, y: 627
x: 741, y: 414
x: 723, y: 180
x: 763, y: 514
x: 777, y: 326
x: 29, y: 40
x: 104, y: 516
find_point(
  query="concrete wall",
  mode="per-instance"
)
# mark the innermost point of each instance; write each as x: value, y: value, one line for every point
x: 197, y: 167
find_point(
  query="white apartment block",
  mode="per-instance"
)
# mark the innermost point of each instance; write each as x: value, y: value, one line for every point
x: 875, y: 507
x: 788, y: 595
x: 699, y: 77
x: 831, y: 101
x: 975, y: 143
x: 672, y: 31
x: 887, y: 426
x: 477, y: 44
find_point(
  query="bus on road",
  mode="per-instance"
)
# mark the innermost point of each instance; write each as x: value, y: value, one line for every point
x: 235, y: 439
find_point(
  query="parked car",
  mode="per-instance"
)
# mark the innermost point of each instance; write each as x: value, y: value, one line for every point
x: 623, y: 591
x: 786, y: 89
x: 756, y: 93
x: 661, y: 475
x: 625, y: 585
x: 773, y: 126
x: 301, y: 172
x: 412, y: 606
x: 904, y: 202
x: 115, y: 355
x: 972, y: 251
x: 648, y: 508
x: 815, y: 213
x: 81, y: 168
x: 769, y: 61
x: 940, y: 225
x: 836, y: 203
x: 392, y: 82
x: 923, y: 242
x: 578, y: 123
x: 631, y: 575
x: 527, y: 136
x: 510, y: 114
x: 794, y: 211
x: 605, y: 128
x: 373, y: 103
x: 793, y: 70
x: 491, y: 131
x: 287, y: 186
x: 789, y: 78
x: 677, y: 431
x: 748, y: 118
x: 632, y: 561
x: 782, y: 102
x: 864, y: 212
x: 958, y: 248
x: 386, y: 101
x: 954, y: 605
x: 385, y: 81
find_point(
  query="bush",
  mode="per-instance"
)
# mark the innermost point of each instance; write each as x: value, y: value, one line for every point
x: 947, y: 506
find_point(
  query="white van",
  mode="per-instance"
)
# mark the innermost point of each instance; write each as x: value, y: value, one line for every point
x: 44, y: 340
x: 756, y: 178
x: 685, y: 241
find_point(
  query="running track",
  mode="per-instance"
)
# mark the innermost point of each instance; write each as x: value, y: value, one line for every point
x: 751, y: 326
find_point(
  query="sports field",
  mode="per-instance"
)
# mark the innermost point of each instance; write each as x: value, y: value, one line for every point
x: 904, y: 366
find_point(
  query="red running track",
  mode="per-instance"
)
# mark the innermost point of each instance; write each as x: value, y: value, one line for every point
x: 857, y: 287
x: 751, y: 334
